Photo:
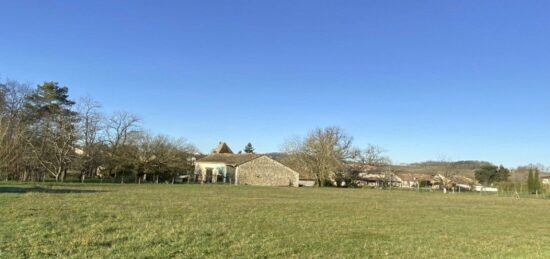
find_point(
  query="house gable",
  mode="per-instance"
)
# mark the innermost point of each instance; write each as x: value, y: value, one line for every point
x: 265, y: 171
x: 228, y: 159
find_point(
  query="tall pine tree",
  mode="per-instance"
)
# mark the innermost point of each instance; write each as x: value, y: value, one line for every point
x: 530, y: 181
x: 536, y: 181
x: 53, y: 133
x: 249, y: 149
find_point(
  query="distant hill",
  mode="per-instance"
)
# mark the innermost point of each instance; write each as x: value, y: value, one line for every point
x: 464, y: 168
x: 279, y: 156
x: 466, y: 164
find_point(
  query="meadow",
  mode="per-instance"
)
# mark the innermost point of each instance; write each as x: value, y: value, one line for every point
x: 165, y: 221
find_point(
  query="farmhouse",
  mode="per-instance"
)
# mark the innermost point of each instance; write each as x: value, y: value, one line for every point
x: 223, y: 166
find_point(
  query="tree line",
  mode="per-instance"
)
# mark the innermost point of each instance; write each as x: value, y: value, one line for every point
x: 44, y: 134
x: 328, y: 156
x: 527, y: 178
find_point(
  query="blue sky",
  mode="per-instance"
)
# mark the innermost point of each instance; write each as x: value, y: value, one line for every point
x: 423, y: 79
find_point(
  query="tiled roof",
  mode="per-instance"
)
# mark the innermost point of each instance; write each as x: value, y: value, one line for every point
x: 229, y: 159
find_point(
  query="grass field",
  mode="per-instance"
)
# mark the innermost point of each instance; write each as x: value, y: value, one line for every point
x: 156, y: 221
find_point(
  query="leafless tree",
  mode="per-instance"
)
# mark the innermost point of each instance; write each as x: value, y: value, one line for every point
x: 159, y: 156
x: 12, y: 127
x: 373, y: 156
x: 55, y: 151
x: 91, y: 144
x: 120, y: 127
x: 322, y: 152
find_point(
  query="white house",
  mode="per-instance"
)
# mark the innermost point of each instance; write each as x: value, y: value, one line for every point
x: 222, y: 166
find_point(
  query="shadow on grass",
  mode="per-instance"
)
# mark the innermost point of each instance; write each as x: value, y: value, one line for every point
x: 43, y: 189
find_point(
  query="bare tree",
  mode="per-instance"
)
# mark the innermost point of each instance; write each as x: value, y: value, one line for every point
x: 448, y: 171
x: 160, y: 156
x: 373, y: 156
x: 12, y: 128
x: 91, y: 144
x: 322, y: 152
x: 120, y: 127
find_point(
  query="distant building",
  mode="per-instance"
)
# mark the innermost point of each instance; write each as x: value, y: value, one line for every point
x: 223, y: 166
x: 545, y: 180
x: 306, y: 182
x: 479, y: 188
x: 415, y: 180
x: 385, y: 179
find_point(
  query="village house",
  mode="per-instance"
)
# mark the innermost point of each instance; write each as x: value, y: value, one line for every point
x: 386, y: 179
x: 373, y: 176
x: 437, y: 181
x: 224, y: 166
x: 545, y: 180
x: 415, y: 180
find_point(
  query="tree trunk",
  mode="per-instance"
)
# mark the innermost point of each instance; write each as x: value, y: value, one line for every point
x: 111, y: 173
x: 25, y: 176
x: 62, y: 172
x: 319, y: 181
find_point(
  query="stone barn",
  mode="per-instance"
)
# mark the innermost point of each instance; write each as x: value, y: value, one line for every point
x: 223, y: 166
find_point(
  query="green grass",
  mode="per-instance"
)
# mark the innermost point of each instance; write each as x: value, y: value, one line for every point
x: 156, y: 221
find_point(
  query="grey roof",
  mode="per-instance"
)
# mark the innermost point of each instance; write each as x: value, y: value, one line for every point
x: 229, y: 159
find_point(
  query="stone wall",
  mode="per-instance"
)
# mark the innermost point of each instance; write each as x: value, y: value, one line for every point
x: 265, y: 171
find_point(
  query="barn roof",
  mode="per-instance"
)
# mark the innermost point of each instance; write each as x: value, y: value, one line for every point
x: 229, y: 159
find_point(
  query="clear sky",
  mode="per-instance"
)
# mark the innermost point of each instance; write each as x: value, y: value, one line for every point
x: 423, y: 79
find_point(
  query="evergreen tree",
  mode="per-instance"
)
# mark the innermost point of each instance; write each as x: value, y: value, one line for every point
x: 52, y: 132
x: 248, y: 148
x: 502, y: 174
x: 486, y: 174
x: 530, y: 181
x: 536, y: 181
